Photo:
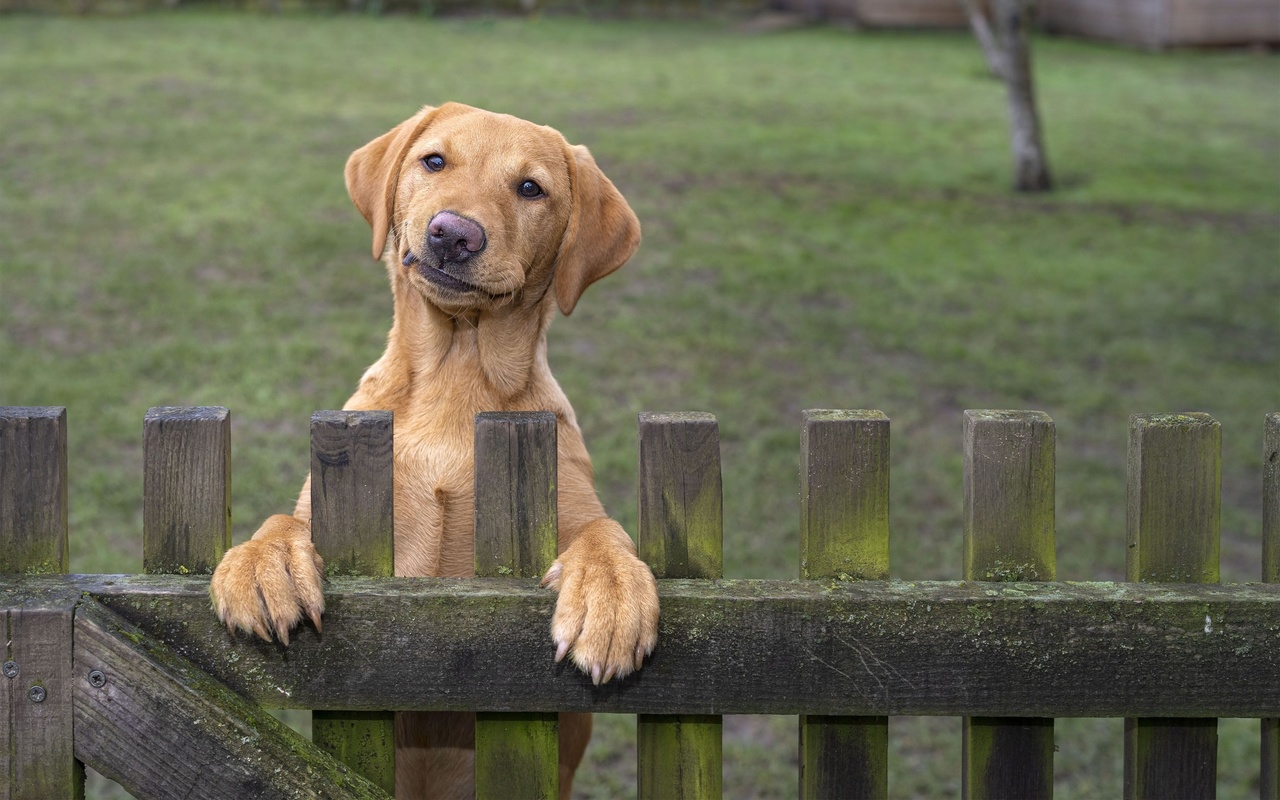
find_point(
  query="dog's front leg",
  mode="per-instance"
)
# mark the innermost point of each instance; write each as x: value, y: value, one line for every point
x: 267, y: 584
x: 606, y: 616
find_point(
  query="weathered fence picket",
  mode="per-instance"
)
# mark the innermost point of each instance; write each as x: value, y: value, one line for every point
x: 353, y: 529
x: 844, y: 534
x: 96, y: 664
x: 1270, y: 783
x: 1008, y: 537
x: 517, y: 754
x: 1175, y: 477
x: 37, y: 748
x: 186, y: 490
x: 680, y: 536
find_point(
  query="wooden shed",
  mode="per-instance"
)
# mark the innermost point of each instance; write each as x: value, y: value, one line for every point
x: 1165, y: 23
x: 885, y: 13
x: 1141, y: 23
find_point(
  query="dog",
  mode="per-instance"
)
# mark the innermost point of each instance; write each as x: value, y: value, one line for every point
x: 487, y: 224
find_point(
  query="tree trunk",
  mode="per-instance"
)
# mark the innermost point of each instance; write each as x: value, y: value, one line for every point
x: 991, y: 49
x: 1006, y: 45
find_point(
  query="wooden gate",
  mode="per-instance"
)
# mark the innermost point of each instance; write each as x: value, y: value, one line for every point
x: 133, y: 675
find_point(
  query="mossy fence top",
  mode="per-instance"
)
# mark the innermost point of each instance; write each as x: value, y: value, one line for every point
x: 96, y: 664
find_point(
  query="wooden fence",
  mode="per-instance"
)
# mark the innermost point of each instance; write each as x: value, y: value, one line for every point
x: 133, y: 675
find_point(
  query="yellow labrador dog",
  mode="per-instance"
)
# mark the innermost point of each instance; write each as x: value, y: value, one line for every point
x: 487, y: 223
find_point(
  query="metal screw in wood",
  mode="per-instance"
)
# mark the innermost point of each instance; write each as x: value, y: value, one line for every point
x: 10, y: 669
x: 97, y: 678
x: 37, y: 694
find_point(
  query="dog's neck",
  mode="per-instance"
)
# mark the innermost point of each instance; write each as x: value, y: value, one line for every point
x: 502, y: 349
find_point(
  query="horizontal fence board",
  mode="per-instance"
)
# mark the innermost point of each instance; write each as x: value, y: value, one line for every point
x: 747, y: 647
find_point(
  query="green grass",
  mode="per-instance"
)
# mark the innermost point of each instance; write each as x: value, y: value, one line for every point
x: 827, y: 224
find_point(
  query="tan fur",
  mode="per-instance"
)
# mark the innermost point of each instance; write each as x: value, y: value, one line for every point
x: 450, y: 354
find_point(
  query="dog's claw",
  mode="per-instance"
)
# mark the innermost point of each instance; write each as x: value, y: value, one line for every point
x: 271, y: 582
x: 595, y: 675
x: 639, y: 658
x: 315, y: 619
x: 552, y: 576
x: 261, y: 630
x: 561, y: 649
x: 608, y: 674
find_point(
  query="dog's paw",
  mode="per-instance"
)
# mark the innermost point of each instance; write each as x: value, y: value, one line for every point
x: 606, y: 617
x: 265, y: 585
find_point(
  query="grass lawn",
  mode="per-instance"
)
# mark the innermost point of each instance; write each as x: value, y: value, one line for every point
x: 827, y: 224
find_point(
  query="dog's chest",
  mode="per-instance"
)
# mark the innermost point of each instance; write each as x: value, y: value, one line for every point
x: 434, y: 506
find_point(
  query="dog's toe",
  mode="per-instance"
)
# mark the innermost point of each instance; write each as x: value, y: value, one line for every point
x: 606, y: 617
x: 267, y: 584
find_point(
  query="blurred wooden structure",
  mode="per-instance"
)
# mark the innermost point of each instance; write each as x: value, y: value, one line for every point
x: 1157, y: 24
x: 1153, y: 24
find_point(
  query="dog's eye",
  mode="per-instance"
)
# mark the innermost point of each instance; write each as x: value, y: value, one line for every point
x: 529, y: 189
x: 433, y: 162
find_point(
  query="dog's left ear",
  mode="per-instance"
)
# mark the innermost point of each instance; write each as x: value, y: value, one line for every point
x: 373, y: 173
x: 603, y: 231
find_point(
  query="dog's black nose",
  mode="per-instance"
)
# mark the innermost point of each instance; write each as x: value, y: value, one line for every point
x: 453, y: 238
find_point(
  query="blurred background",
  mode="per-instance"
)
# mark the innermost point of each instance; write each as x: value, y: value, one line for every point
x: 826, y: 190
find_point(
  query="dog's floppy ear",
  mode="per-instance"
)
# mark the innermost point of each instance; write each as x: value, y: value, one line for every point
x: 601, y: 235
x: 373, y: 173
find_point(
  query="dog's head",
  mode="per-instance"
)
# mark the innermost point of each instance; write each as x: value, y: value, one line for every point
x: 483, y: 209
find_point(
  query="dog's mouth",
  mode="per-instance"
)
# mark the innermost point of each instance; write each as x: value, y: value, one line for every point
x: 438, y: 277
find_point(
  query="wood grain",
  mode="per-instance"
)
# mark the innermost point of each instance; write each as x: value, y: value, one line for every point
x: 209, y: 742
x: 515, y: 494
x: 1174, y: 506
x: 186, y: 489
x: 40, y: 747
x: 33, y: 490
x: 681, y: 510
x: 1008, y: 536
x: 681, y: 535
x: 37, y: 758
x: 353, y: 492
x: 844, y: 534
x: 517, y: 755
x: 1270, y: 777
x: 352, y: 526
x: 946, y: 648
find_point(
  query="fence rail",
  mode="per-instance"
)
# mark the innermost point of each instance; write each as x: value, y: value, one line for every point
x: 96, y: 663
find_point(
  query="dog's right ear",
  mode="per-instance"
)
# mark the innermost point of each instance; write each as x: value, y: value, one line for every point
x: 373, y: 173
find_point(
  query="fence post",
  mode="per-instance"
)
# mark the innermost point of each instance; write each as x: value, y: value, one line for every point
x: 37, y: 749
x: 186, y: 489
x: 844, y: 534
x: 517, y: 755
x: 1175, y: 489
x: 680, y: 533
x: 352, y: 518
x: 1270, y: 788
x: 1008, y: 536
